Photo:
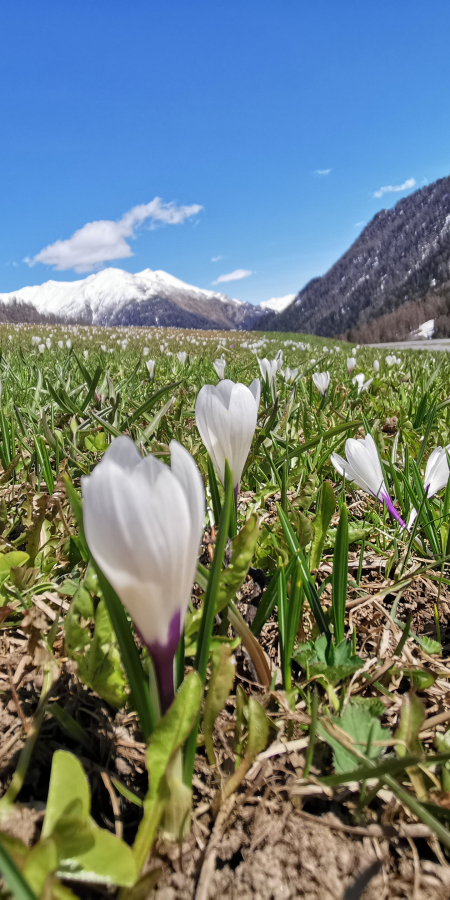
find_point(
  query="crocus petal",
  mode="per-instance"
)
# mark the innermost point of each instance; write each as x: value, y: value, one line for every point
x: 255, y: 388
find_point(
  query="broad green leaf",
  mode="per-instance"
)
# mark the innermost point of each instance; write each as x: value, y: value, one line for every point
x: 107, y: 860
x: 13, y: 558
x: 68, y: 793
x: 364, y: 730
x: 97, y: 656
x: 220, y: 684
x: 321, y: 523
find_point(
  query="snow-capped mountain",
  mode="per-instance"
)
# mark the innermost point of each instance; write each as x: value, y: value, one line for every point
x: 278, y: 304
x: 115, y: 297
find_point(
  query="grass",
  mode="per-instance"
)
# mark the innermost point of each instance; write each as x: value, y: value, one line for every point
x: 347, y: 648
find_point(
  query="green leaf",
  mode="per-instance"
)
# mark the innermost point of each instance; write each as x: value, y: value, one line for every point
x: 242, y: 550
x: 428, y: 644
x: 107, y: 860
x: 169, y: 735
x: 412, y: 715
x: 13, y: 558
x: 364, y: 730
x: 41, y: 860
x: 340, y: 576
x: 422, y: 678
x: 68, y: 793
x: 321, y: 523
x: 147, y: 405
x: 220, y: 684
x: 258, y: 728
x: 10, y: 871
x: 97, y: 656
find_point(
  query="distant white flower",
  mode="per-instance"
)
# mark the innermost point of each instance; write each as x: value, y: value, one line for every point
x: 146, y: 351
x: 85, y: 353
x: 220, y: 366
x: 322, y: 382
x: 60, y: 345
x: 359, y: 380
x: 363, y: 467
x: 279, y: 359
x: 351, y: 363
x: 268, y: 369
x: 376, y: 365
x: 435, y: 478
x: 226, y: 417
x: 289, y: 375
x: 151, y: 368
x: 391, y: 360
x: 354, y: 351
x: 41, y: 348
x: 68, y: 344
x: 182, y: 356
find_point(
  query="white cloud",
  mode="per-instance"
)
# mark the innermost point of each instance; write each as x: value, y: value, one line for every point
x: 323, y: 171
x: 409, y: 183
x: 359, y: 224
x: 98, y: 242
x: 234, y: 276
x: 216, y: 258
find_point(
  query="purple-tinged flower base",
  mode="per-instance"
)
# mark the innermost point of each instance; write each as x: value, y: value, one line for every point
x: 163, y: 656
x: 385, y: 496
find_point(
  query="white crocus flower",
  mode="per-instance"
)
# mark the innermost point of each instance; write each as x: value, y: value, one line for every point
x: 85, y: 353
x: 143, y: 522
x: 60, y: 345
x: 363, y: 467
x: 289, y: 375
x: 351, y: 363
x: 322, y: 382
x: 354, y: 351
x: 41, y: 348
x: 391, y: 360
x: 279, y: 359
x: 268, y: 369
x: 182, y: 356
x: 435, y: 478
x: 220, y: 366
x: 146, y: 351
x: 376, y: 365
x: 226, y: 417
x: 151, y: 368
x: 359, y: 380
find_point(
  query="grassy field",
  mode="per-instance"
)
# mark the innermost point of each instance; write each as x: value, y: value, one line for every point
x: 318, y: 622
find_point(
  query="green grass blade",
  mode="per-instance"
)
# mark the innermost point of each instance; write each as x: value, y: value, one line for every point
x: 340, y: 576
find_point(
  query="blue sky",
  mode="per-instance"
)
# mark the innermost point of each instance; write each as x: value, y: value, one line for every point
x: 234, y: 106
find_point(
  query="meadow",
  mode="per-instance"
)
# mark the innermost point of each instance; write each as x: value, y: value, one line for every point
x: 307, y: 671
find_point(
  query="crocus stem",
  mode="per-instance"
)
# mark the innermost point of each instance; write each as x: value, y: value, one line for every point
x: 162, y: 657
x: 393, y: 510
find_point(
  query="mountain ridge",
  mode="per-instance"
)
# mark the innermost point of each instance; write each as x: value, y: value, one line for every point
x: 402, y: 256
x: 116, y: 297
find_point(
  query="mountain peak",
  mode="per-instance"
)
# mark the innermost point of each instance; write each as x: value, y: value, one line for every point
x: 116, y: 297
